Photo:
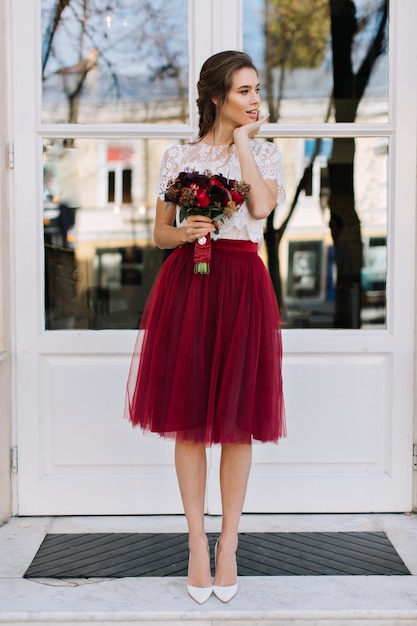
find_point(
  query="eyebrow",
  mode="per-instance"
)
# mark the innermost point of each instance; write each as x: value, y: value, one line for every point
x: 247, y: 86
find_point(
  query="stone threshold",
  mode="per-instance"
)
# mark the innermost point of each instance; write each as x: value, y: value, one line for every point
x: 270, y: 601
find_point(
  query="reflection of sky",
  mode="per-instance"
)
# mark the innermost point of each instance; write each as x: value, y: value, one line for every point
x: 130, y: 38
x: 253, y: 40
x: 134, y: 42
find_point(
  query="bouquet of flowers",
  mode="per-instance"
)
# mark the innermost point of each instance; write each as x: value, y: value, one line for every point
x: 207, y: 194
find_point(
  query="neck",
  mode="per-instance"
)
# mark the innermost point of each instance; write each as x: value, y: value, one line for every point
x: 219, y: 137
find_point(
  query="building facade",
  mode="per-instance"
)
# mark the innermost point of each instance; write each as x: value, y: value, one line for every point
x: 91, y: 101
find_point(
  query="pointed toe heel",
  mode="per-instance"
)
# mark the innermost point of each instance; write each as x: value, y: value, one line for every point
x: 200, y: 594
x: 225, y: 594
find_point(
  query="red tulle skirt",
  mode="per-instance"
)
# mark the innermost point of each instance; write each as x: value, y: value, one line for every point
x: 207, y: 361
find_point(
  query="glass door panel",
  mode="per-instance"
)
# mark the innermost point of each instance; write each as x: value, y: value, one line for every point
x: 114, y: 62
x: 300, y: 46
x: 98, y: 215
x: 330, y: 237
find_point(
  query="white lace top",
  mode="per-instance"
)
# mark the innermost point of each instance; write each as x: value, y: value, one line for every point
x: 224, y: 160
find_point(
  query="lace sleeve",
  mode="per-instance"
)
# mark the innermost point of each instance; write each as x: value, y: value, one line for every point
x: 170, y: 168
x: 270, y: 166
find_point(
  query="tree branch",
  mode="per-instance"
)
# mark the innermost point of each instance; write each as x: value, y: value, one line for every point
x: 51, y: 30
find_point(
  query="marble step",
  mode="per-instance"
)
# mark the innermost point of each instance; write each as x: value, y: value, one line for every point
x: 270, y: 601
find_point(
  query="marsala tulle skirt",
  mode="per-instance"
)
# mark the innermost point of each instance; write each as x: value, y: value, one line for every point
x: 207, y: 361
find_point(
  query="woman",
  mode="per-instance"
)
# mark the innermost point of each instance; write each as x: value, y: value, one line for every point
x: 209, y: 368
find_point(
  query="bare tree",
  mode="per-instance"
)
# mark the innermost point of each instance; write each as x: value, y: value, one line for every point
x: 82, y: 36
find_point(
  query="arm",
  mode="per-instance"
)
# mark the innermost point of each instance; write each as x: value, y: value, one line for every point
x: 263, y: 195
x: 167, y: 236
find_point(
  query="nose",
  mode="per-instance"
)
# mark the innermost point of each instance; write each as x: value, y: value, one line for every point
x: 256, y: 97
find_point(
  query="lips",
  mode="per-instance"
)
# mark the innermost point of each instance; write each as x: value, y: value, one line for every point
x: 253, y: 112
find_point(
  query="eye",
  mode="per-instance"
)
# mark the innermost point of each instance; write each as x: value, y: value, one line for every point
x: 244, y: 92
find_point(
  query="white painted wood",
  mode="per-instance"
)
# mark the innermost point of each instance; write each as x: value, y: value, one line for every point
x: 349, y: 394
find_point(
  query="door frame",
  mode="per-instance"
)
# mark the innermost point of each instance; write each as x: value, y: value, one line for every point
x: 29, y: 337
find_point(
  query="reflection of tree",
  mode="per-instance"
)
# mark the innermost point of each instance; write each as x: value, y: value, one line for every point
x: 348, y: 90
x: 295, y: 36
x: 166, y: 58
x: 83, y: 34
x: 116, y: 42
x: 50, y: 30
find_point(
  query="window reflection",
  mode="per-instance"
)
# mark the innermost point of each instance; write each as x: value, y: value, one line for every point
x: 114, y: 62
x: 99, y: 210
x: 319, y: 60
x: 330, y: 237
x: 325, y: 248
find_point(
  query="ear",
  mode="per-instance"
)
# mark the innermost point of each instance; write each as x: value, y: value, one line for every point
x: 215, y: 101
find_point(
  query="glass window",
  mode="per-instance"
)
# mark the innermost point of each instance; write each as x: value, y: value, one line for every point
x: 98, y: 215
x: 326, y: 247
x: 114, y: 62
x: 320, y: 61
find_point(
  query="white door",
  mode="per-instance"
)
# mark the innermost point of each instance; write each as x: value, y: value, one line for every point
x: 349, y: 392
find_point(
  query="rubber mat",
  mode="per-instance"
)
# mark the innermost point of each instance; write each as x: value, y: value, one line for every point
x: 119, y: 555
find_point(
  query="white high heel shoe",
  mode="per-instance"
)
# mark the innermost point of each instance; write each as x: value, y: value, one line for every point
x: 199, y: 594
x: 224, y: 593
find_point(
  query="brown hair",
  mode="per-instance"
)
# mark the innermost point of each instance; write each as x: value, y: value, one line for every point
x: 216, y: 78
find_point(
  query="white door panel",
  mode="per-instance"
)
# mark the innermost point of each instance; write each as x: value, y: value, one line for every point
x: 349, y: 394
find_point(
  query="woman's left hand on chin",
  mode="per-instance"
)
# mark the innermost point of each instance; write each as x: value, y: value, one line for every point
x: 250, y: 130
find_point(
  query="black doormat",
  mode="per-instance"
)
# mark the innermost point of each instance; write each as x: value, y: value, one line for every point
x: 118, y: 555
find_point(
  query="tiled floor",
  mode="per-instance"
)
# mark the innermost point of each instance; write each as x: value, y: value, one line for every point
x: 293, y: 600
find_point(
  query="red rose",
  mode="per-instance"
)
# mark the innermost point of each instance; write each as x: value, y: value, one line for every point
x: 236, y: 197
x: 202, y: 198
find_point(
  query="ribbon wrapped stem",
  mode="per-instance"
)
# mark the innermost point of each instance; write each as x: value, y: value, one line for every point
x: 202, y: 255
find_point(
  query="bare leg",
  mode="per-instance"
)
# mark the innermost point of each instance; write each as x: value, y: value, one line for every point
x: 191, y: 466
x: 235, y: 466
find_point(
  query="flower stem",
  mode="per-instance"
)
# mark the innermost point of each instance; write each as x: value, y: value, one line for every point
x: 201, y: 268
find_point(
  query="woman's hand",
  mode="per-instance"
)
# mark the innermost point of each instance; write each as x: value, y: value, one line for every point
x: 249, y: 130
x: 262, y: 197
x: 166, y: 236
x: 198, y: 226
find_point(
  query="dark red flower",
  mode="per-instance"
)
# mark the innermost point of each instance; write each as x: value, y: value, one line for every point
x: 202, y: 198
x: 236, y: 197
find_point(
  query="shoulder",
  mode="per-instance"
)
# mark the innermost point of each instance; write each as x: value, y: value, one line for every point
x: 175, y: 151
x: 173, y: 159
x: 268, y: 159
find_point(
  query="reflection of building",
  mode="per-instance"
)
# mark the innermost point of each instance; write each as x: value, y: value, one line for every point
x: 112, y: 186
x: 310, y: 291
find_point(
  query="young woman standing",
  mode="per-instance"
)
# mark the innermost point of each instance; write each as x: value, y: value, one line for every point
x: 209, y: 368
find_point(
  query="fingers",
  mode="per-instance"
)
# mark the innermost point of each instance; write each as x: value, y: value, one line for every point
x: 196, y: 219
x: 198, y: 226
x: 252, y: 128
x: 256, y: 125
x: 263, y: 119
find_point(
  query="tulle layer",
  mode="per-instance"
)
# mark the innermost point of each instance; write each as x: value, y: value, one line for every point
x: 207, y: 361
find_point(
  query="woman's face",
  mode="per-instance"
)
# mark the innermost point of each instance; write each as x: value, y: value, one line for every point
x: 242, y: 102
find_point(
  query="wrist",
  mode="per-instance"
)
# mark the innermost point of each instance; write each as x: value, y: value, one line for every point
x: 241, y: 141
x: 183, y: 239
